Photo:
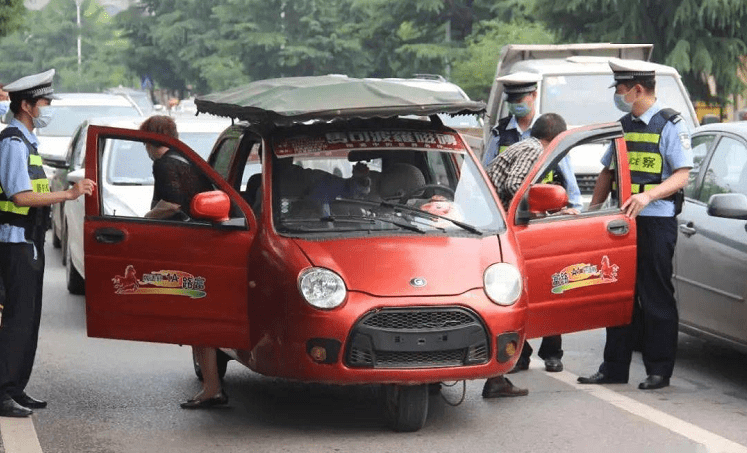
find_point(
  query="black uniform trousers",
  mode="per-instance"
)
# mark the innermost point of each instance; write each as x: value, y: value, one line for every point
x: 22, y: 273
x: 551, y: 348
x: 655, y: 315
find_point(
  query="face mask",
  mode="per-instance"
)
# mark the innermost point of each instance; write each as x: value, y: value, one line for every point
x: 519, y: 110
x: 621, y: 104
x: 44, y: 118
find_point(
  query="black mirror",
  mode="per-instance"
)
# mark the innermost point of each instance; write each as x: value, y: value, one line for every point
x: 728, y: 205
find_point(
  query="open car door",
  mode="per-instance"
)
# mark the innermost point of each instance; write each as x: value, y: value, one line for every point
x: 170, y: 281
x: 581, y: 268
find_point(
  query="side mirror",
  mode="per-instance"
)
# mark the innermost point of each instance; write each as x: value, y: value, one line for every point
x: 546, y: 197
x: 55, y: 162
x: 76, y: 175
x: 213, y: 206
x: 728, y: 205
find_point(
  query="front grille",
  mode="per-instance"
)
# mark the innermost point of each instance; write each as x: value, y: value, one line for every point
x: 418, y: 338
x: 586, y: 183
x: 415, y: 320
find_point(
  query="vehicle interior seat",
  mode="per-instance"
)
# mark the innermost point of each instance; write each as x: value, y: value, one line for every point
x: 399, y: 179
x: 249, y: 194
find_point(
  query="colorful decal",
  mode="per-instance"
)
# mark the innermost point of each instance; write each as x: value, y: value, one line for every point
x: 337, y: 141
x: 584, y: 274
x: 177, y: 283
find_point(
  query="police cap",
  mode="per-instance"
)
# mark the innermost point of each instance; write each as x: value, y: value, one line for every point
x: 518, y: 84
x: 32, y: 87
x: 631, y: 70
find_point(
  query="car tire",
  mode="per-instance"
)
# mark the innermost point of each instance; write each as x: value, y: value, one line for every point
x: 63, y: 242
x: 222, y: 358
x: 406, y: 406
x: 75, y: 282
x: 56, y: 242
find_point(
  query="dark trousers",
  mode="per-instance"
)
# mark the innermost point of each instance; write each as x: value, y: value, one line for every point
x: 22, y: 273
x: 655, y: 316
x: 551, y: 348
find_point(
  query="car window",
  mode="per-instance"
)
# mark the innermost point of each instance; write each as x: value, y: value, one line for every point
x: 727, y: 169
x: 79, y: 148
x: 67, y: 118
x: 700, y: 146
x: 221, y: 159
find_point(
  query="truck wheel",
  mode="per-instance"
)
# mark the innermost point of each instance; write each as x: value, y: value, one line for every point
x: 75, y: 282
x: 222, y: 358
x: 406, y: 406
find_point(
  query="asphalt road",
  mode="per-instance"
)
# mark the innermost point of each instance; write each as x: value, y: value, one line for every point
x: 108, y: 396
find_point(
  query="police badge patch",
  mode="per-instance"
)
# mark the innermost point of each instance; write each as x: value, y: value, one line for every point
x: 685, y: 140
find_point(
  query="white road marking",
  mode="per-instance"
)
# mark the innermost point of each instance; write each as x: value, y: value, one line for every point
x: 19, y: 435
x: 712, y: 442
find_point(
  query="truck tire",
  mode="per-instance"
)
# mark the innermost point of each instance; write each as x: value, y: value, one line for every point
x: 406, y: 406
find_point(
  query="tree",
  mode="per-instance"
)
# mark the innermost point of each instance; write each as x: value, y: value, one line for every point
x: 700, y: 38
x: 11, y: 16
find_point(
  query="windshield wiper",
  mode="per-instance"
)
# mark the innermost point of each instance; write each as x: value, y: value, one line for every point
x: 352, y: 218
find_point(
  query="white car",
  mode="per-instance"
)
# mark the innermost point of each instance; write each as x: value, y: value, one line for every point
x: 127, y: 183
x: 70, y: 110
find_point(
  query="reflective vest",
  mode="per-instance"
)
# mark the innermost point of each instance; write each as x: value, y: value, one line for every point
x: 644, y: 157
x: 22, y: 216
x: 507, y: 137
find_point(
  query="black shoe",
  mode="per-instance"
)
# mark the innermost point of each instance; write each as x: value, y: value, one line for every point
x: 553, y: 365
x: 220, y: 399
x: 599, y: 378
x: 26, y: 401
x: 501, y: 387
x: 521, y: 365
x: 653, y: 382
x: 9, y: 408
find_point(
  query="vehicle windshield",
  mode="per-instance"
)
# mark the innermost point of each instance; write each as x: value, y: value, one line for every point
x: 129, y: 164
x: 587, y: 98
x: 352, y: 183
x: 66, y: 118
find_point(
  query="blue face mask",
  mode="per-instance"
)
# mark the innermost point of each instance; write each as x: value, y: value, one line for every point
x: 519, y: 110
x: 622, y: 104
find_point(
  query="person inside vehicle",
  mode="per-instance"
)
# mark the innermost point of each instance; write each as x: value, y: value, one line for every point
x: 175, y: 183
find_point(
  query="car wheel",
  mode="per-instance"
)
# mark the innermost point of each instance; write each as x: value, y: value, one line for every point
x: 63, y: 242
x: 222, y: 358
x: 406, y: 406
x: 56, y: 242
x: 75, y: 282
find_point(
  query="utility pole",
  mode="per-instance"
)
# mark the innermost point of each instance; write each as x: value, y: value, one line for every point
x: 77, y: 5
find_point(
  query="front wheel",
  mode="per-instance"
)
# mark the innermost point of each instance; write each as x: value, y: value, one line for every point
x: 406, y: 406
x: 76, y: 284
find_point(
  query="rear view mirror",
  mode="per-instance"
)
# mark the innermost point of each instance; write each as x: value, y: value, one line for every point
x: 728, y: 205
x: 546, y: 197
x: 213, y: 206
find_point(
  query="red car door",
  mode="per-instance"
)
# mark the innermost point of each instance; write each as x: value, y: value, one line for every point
x: 580, y: 268
x: 169, y: 281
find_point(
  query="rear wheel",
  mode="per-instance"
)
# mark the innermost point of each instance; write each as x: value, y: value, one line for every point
x: 406, y: 406
x: 75, y: 282
x: 56, y: 242
x: 222, y: 358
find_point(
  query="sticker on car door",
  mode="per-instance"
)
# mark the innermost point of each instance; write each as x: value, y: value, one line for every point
x: 164, y: 282
x: 584, y: 274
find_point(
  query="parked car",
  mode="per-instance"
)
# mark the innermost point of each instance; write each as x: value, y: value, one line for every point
x: 140, y: 98
x: 70, y: 110
x: 402, y: 270
x: 575, y: 83
x: 127, y: 183
x: 710, y: 264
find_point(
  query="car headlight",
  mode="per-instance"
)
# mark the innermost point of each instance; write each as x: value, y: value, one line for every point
x: 503, y: 283
x: 322, y: 288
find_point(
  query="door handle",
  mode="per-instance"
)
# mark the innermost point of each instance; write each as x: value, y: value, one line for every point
x: 618, y: 227
x: 688, y: 229
x: 109, y: 235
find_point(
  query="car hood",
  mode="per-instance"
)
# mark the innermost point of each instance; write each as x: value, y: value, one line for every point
x: 386, y: 266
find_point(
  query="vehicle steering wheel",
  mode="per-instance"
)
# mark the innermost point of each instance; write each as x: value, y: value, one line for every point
x: 424, y: 189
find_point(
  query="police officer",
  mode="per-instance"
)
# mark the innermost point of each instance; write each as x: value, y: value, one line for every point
x: 24, y: 212
x: 660, y: 159
x: 520, y: 89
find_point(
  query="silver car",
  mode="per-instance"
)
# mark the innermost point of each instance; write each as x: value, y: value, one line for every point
x: 711, y: 254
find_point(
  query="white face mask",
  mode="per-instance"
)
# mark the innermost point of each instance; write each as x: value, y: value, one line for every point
x: 622, y: 104
x: 44, y: 118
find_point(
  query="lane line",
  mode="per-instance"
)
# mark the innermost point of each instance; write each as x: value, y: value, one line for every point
x: 19, y: 435
x: 711, y: 441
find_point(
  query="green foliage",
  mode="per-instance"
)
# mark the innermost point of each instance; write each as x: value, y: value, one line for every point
x: 11, y: 16
x: 698, y: 37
